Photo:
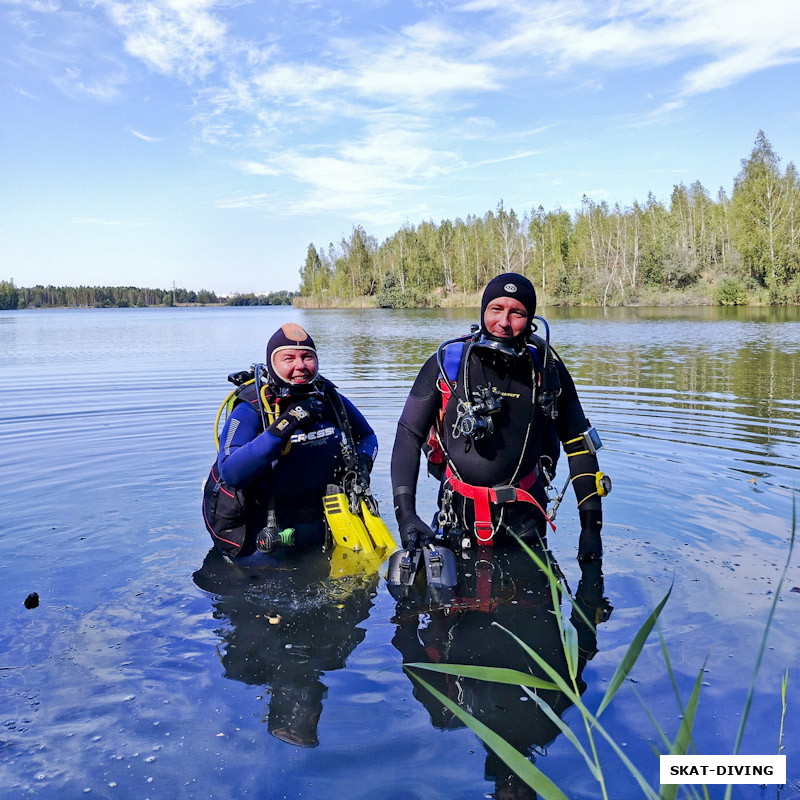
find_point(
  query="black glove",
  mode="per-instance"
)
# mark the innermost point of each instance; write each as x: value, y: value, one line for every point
x: 414, y: 532
x: 300, y: 414
x: 363, y: 468
x: 590, y: 545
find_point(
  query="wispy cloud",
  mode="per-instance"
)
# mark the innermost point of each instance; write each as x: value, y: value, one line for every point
x: 262, y: 200
x: 40, y: 6
x: 25, y: 93
x: 735, y: 38
x: 172, y: 37
x: 359, y: 117
x: 145, y: 138
x: 104, y: 87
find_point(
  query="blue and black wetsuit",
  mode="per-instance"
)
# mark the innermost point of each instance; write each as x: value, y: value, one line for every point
x: 293, y: 484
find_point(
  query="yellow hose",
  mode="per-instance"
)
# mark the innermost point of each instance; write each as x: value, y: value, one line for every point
x: 271, y: 413
x: 271, y: 416
x: 224, y: 404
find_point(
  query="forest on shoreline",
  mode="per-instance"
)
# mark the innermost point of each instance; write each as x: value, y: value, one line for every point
x: 19, y: 297
x: 693, y: 250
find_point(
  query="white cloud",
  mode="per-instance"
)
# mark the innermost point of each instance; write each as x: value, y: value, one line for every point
x: 42, y: 6
x: 257, y: 168
x: 735, y: 37
x: 246, y: 201
x: 145, y: 138
x: 25, y: 93
x: 173, y: 37
x: 104, y: 88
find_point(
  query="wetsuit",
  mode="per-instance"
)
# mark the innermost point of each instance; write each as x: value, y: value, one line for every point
x: 510, y: 455
x: 251, y: 459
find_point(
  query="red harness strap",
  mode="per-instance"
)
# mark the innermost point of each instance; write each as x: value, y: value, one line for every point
x: 483, y: 496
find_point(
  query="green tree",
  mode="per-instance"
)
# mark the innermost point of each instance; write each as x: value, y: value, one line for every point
x: 9, y: 296
x: 311, y: 277
x: 762, y: 203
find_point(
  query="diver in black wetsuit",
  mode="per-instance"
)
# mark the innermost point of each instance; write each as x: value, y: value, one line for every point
x: 511, y: 400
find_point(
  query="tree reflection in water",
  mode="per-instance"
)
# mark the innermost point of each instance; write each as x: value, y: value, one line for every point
x: 503, y: 586
x: 283, y: 627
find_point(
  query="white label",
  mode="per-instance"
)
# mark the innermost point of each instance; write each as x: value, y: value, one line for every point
x: 722, y: 769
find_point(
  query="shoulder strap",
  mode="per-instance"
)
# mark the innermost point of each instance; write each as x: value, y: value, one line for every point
x: 340, y: 412
x: 248, y: 394
x: 452, y: 360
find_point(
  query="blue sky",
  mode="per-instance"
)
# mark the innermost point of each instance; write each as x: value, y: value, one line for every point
x: 207, y: 143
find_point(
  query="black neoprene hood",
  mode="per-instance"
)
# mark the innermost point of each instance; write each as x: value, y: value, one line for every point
x: 513, y: 285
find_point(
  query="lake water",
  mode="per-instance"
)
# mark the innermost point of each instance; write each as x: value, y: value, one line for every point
x: 150, y: 669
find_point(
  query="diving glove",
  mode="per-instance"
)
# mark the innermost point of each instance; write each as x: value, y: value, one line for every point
x: 414, y: 532
x: 300, y: 414
x: 363, y: 468
x: 590, y: 545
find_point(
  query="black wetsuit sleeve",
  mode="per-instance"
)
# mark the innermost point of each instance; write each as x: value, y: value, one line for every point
x: 419, y: 413
x: 571, y: 423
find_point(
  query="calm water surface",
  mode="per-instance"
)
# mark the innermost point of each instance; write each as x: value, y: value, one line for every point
x: 149, y: 669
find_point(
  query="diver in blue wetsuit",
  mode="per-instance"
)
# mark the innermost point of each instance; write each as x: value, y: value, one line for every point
x: 281, y: 447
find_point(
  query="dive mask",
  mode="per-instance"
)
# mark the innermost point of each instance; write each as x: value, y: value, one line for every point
x: 510, y: 348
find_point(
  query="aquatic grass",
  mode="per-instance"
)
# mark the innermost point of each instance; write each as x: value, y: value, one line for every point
x: 784, y: 685
x: 776, y: 596
x: 683, y: 740
x: 533, y: 776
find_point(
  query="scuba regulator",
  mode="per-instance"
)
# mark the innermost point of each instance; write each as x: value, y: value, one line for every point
x: 474, y: 420
x: 474, y: 414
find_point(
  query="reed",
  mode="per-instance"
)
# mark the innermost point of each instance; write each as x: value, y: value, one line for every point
x: 590, y: 720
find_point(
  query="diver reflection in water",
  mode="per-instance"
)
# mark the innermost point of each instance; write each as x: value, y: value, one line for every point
x: 282, y: 628
x: 500, y: 585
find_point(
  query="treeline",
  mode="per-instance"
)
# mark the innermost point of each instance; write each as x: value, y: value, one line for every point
x: 39, y: 296
x: 282, y: 298
x: 729, y: 250
x: 14, y: 297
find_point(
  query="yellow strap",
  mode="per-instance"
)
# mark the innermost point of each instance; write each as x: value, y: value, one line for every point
x: 576, y: 439
x: 583, y: 475
x: 587, y: 497
x: 578, y: 453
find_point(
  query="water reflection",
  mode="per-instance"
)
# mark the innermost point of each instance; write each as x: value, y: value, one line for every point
x: 283, y: 628
x: 503, y: 586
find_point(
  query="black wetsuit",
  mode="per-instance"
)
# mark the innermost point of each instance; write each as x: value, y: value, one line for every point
x: 522, y: 434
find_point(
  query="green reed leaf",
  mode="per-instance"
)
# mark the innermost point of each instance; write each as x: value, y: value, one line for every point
x: 492, y: 674
x: 567, y: 731
x: 684, y: 736
x: 585, y: 713
x: 776, y: 597
x: 632, y: 654
x: 533, y: 776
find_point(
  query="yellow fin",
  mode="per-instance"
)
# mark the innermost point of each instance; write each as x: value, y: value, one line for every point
x: 346, y: 562
x: 377, y: 529
x: 347, y: 529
